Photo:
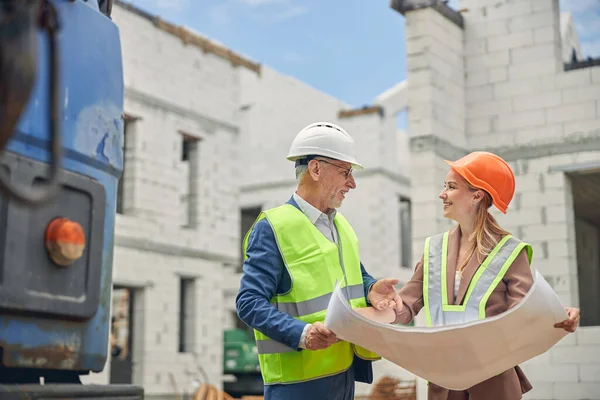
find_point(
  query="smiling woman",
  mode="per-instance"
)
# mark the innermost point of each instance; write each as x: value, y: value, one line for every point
x: 477, y: 265
x: 463, y: 182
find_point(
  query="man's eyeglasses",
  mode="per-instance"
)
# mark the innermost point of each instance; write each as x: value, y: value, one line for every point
x: 347, y: 171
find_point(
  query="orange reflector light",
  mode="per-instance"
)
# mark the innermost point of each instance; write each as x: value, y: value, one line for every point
x: 65, y: 241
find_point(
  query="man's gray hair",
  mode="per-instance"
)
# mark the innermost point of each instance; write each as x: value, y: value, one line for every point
x: 300, y: 171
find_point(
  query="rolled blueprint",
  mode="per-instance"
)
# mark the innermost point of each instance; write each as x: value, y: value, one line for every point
x: 459, y: 356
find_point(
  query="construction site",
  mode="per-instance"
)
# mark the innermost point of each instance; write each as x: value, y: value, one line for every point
x: 497, y: 75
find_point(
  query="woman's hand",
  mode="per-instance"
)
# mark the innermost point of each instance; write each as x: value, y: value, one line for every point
x: 569, y: 324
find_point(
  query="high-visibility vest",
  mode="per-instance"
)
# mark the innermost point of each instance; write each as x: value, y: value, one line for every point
x: 435, y: 296
x: 314, y: 264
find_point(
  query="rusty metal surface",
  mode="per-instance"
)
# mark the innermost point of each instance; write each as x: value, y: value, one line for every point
x: 54, y: 349
x: 61, y: 356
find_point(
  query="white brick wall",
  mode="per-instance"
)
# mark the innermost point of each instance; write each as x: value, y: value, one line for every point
x: 279, y: 106
x: 151, y: 53
x: 427, y: 32
x: 161, y: 322
x: 570, y: 370
x: 174, y: 88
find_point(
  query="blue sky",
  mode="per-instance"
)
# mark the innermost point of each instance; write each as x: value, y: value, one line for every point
x: 352, y: 49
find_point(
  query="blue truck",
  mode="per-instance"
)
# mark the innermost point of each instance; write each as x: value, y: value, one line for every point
x: 61, y: 135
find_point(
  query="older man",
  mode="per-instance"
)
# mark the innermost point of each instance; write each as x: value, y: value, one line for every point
x: 294, y: 254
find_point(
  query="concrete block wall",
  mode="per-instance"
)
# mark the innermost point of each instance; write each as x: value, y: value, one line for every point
x: 403, y: 147
x: 435, y: 75
x: 377, y: 140
x: 161, y: 323
x: 521, y: 104
x: 198, y: 95
x: 535, y: 104
x: 517, y: 91
x: 393, y: 102
x: 542, y: 214
x: 167, y: 68
x: 182, y: 91
x: 277, y: 108
x: 173, y: 89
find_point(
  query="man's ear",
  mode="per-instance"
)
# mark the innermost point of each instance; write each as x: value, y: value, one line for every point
x: 314, y: 169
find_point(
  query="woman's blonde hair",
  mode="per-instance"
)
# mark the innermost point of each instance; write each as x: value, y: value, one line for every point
x: 487, y: 230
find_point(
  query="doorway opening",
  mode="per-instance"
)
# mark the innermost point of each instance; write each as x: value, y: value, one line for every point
x: 586, y: 204
x: 121, y: 335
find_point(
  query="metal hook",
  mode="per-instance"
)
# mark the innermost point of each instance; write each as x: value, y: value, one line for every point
x: 48, y: 20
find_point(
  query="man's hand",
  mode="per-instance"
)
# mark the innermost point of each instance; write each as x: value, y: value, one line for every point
x: 569, y: 324
x: 383, y: 295
x: 318, y: 337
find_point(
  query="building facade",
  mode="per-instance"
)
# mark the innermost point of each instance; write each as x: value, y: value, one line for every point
x: 177, y: 228
x: 208, y: 130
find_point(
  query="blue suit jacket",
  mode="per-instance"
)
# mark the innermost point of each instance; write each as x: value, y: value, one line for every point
x: 264, y: 276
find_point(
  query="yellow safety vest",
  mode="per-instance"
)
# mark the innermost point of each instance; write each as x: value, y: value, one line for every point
x: 314, y: 264
x: 435, y: 297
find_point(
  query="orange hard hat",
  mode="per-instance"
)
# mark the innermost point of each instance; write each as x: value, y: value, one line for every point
x: 488, y: 172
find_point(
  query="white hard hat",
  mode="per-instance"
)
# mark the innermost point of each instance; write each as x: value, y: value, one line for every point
x: 324, y: 139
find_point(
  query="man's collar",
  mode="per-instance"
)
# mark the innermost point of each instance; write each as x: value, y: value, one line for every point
x: 311, y: 212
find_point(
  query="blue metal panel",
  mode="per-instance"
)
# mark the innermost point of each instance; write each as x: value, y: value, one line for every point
x: 92, y: 125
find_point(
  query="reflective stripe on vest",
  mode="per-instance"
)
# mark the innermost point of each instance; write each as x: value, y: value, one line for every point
x: 300, y: 309
x: 314, y: 264
x: 435, y: 295
x: 317, y: 304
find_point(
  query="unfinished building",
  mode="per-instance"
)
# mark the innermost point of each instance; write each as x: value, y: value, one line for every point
x: 501, y: 75
x: 177, y: 224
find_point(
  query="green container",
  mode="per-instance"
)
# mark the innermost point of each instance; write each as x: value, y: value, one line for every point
x: 239, y: 353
